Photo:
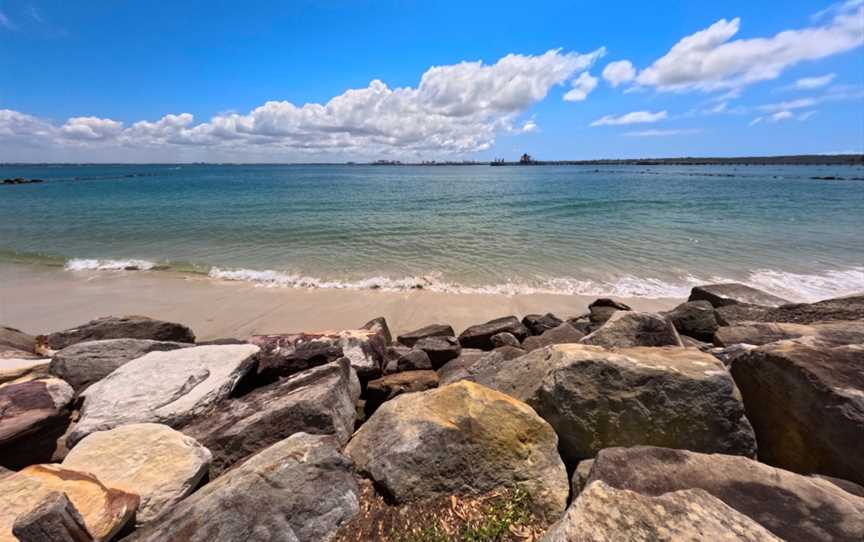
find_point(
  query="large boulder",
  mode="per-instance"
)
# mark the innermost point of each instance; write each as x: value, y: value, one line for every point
x: 605, y: 514
x: 562, y: 334
x: 806, y: 404
x: 286, y: 354
x: 795, y: 508
x: 105, y: 510
x: 538, y: 323
x: 460, y: 439
x: 733, y: 293
x: 626, y: 329
x: 480, y: 336
x: 594, y: 398
x: 695, y: 319
x: 84, y: 363
x: 389, y: 386
x: 15, y: 339
x: 317, y: 401
x: 433, y: 330
x: 164, y: 387
x: 117, y: 327
x: 300, y: 489
x: 33, y: 415
x: 439, y: 349
x: 160, y: 465
x: 759, y: 333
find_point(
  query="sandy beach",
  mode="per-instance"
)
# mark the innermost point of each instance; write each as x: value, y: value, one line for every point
x: 43, y: 299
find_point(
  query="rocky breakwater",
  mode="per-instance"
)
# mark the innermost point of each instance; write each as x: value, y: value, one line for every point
x: 735, y: 416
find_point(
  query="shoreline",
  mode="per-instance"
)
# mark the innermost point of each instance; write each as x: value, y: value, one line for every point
x: 39, y: 299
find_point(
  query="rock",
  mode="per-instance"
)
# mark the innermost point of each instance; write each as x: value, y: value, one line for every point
x: 594, y: 398
x: 695, y: 319
x: 105, y: 510
x: 601, y: 310
x: 84, y: 363
x: 434, y: 330
x: 827, y: 334
x: 460, y: 439
x: 505, y: 339
x: 563, y: 334
x: 580, y: 477
x: 286, y: 354
x: 845, y: 485
x: 728, y: 354
x: 480, y: 336
x: 160, y: 465
x: 733, y: 293
x: 414, y: 360
x: 54, y: 519
x: 841, y: 308
x: 16, y: 366
x: 440, y: 350
x: 690, y: 342
x: 383, y: 389
x: 300, y: 489
x: 163, y: 387
x: 317, y: 401
x: 32, y: 416
x: 627, y: 329
x: 15, y: 339
x: 605, y: 514
x: 806, y: 405
x: 117, y: 327
x: 460, y: 368
x: 583, y: 324
x: 537, y: 324
x: 379, y: 326
x: 795, y: 508
x: 607, y: 302
x: 221, y: 342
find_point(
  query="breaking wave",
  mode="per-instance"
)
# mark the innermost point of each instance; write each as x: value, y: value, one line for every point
x: 81, y: 264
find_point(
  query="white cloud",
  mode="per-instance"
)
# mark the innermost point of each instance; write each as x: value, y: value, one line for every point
x: 780, y: 115
x: 662, y: 133
x: 756, y: 121
x: 91, y: 128
x: 636, y: 117
x: 806, y: 115
x: 791, y: 104
x: 582, y: 86
x: 707, y: 60
x: 529, y: 126
x: 810, y: 83
x: 784, y: 114
x: 619, y: 72
x: 15, y: 124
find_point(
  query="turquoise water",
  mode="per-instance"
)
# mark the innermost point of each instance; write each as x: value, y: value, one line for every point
x: 623, y: 230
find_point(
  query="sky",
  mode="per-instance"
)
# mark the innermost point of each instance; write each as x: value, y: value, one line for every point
x: 338, y: 80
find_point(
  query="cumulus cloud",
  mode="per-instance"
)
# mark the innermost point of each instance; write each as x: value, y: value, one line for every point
x: 582, y: 86
x: 636, y: 117
x: 91, y: 128
x: 710, y: 59
x: 619, y: 72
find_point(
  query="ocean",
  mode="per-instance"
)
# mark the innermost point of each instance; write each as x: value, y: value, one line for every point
x: 631, y: 231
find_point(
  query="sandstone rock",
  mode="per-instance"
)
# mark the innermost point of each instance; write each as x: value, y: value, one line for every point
x: 434, y: 330
x: 537, y: 323
x: 505, y: 339
x: 827, y: 334
x: 460, y: 368
x: 627, y: 329
x: 480, y: 336
x: 15, y: 366
x: 379, y: 326
x: 104, y: 510
x: 84, y: 363
x: 163, y: 387
x: 300, y: 489
x: 439, y: 349
x: 286, y: 354
x: 563, y: 334
x: 732, y: 293
x: 695, y: 319
x: 15, y: 339
x: 795, y: 508
x: 605, y: 514
x: 383, y: 389
x: 32, y: 416
x: 54, y: 519
x: 160, y: 465
x: 317, y: 401
x: 675, y: 397
x: 114, y: 327
x: 460, y: 439
x: 806, y: 405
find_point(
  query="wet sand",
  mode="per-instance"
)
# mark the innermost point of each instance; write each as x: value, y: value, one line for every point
x: 42, y: 299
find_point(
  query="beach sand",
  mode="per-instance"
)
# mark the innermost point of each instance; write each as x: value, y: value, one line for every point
x: 43, y: 299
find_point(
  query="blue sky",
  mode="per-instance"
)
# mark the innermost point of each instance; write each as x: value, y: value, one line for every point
x: 102, y: 80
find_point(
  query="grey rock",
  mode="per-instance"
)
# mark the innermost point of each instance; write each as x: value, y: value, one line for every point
x: 433, y: 330
x: 117, y: 327
x: 695, y: 319
x: 54, y: 519
x: 580, y: 477
x: 16, y: 339
x: 505, y: 339
x: 733, y: 293
x: 440, y: 350
x: 461, y: 367
x: 727, y: 354
x: 563, y: 334
x: 379, y: 326
x: 758, y: 333
x: 480, y: 336
x: 33, y: 415
x: 538, y: 323
x: 627, y: 329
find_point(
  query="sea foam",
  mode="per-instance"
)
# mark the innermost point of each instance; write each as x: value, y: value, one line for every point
x: 82, y: 264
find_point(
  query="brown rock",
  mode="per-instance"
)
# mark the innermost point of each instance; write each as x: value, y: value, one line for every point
x: 759, y: 333
x: 15, y: 339
x: 386, y: 388
x: 563, y: 334
x: 480, y: 336
x: 32, y: 416
x: 434, y: 330
x: 626, y: 329
x: 733, y: 293
x: 55, y: 519
x: 537, y: 323
x: 440, y: 350
x: 114, y: 327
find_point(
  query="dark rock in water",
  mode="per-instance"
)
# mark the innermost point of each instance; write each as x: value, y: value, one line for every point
x: 563, y: 334
x: 795, y: 508
x: 300, y: 489
x: 627, y: 329
x: 732, y: 293
x: 505, y: 339
x: 480, y: 336
x: 17, y: 340
x: 84, y: 363
x: 33, y: 415
x: 118, y: 327
x: 759, y: 333
x: 537, y: 323
x: 806, y: 404
x: 695, y: 319
x: 54, y: 519
x: 434, y: 330
x: 439, y: 349
x: 19, y: 180
x: 317, y: 401
x: 382, y: 390
x: 379, y: 325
